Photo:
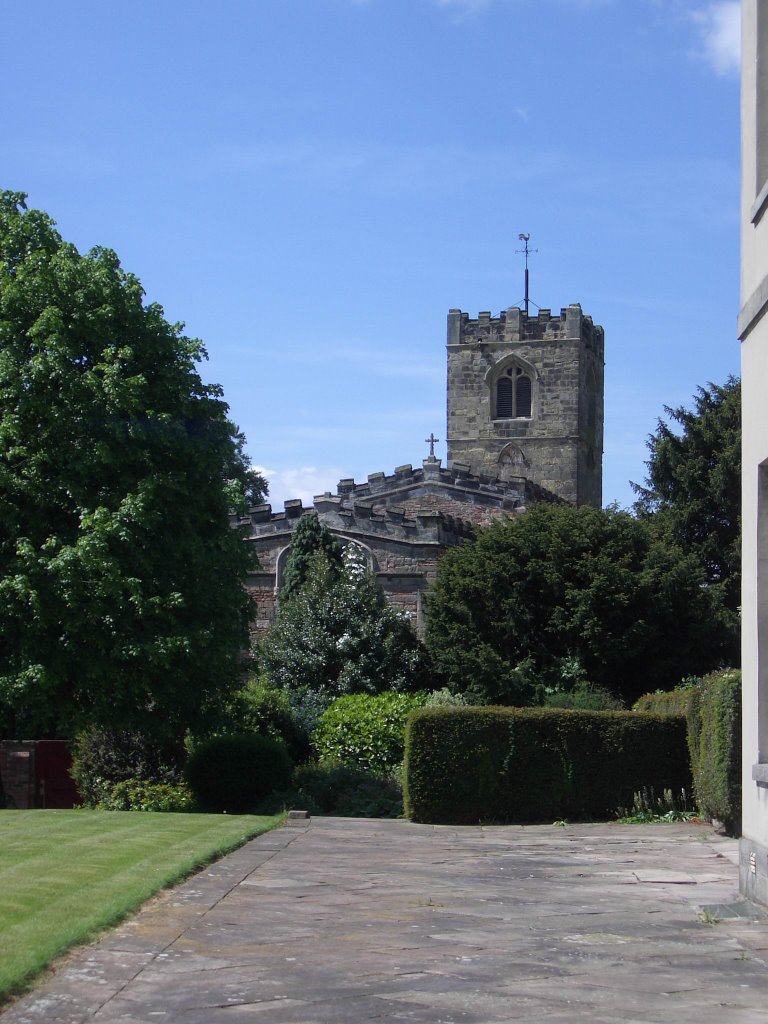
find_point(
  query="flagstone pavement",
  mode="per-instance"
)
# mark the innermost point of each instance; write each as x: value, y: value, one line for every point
x: 345, y: 921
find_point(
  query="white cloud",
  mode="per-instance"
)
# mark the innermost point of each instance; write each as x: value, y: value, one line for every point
x: 469, y: 8
x: 464, y: 8
x: 373, y: 167
x: 719, y: 26
x: 299, y: 482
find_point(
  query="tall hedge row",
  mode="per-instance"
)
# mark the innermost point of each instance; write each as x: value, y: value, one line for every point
x: 714, y: 742
x: 464, y: 765
x: 712, y: 710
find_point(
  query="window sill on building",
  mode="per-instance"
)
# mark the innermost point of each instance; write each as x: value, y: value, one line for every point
x: 760, y: 205
x: 760, y: 774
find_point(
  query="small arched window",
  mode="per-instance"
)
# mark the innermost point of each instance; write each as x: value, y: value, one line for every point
x: 514, y: 395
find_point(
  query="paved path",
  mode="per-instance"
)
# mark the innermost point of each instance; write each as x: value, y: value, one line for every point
x: 348, y: 921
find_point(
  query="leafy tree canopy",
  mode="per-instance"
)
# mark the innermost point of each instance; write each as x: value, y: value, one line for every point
x: 693, y: 491
x: 560, y: 590
x: 256, y: 488
x: 337, y: 635
x: 121, y: 597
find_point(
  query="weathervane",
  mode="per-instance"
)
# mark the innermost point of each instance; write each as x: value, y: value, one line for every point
x: 431, y: 441
x: 526, y: 251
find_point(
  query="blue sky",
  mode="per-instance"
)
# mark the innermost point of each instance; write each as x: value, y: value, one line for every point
x: 311, y: 184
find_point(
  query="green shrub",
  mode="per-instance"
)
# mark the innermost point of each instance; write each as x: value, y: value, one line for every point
x: 137, y: 795
x: 103, y: 757
x: 444, y: 698
x: 714, y: 741
x: 234, y: 773
x: 366, y: 730
x: 464, y: 765
x: 263, y: 708
x: 671, y: 702
x: 339, y: 790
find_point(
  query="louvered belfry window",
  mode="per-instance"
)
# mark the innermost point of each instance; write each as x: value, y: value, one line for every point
x: 504, y: 395
x: 523, y: 396
x: 514, y: 393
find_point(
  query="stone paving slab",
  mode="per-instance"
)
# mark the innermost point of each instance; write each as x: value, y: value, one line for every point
x: 347, y: 921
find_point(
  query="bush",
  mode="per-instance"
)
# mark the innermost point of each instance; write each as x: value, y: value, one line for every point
x: 263, y: 708
x: 714, y: 741
x: 102, y: 757
x: 464, y: 765
x: 366, y: 731
x: 339, y: 790
x: 234, y: 773
x: 443, y: 698
x: 137, y: 795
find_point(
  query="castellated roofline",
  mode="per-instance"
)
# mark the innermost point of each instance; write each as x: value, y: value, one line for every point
x: 458, y: 475
x: 374, y: 506
x: 514, y: 324
x: 423, y: 526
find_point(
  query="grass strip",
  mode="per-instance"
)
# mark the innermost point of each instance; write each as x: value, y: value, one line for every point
x: 66, y: 875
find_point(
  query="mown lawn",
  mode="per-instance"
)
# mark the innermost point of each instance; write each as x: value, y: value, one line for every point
x: 64, y: 875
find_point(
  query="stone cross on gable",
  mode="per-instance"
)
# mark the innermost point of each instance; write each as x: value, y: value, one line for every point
x: 431, y: 441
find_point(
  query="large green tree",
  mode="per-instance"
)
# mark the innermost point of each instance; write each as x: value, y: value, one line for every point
x: 121, y: 596
x: 693, y: 492
x: 568, y: 593
x: 337, y: 634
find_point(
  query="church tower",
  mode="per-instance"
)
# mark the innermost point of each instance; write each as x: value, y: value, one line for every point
x: 525, y: 399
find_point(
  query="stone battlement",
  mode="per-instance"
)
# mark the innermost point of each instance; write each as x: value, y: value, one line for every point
x: 514, y: 324
x: 404, y: 501
x: 490, y: 481
x: 350, y: 517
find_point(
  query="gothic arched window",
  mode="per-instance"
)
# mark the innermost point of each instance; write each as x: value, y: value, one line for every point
x: 514, y: 395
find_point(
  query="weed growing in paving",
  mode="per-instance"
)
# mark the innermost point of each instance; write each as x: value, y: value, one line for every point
x: 647, y: 808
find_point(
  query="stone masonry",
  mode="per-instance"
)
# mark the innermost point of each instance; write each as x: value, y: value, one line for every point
x: 548, y: 447
x: 403, y: 522
x: 560, y: 444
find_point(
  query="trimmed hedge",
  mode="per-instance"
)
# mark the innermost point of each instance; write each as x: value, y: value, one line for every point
x: 714, y: 741
x: 672, y: 702
x: 464, y: 765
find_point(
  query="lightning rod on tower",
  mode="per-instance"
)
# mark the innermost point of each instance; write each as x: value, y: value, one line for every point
x: 526, y: 252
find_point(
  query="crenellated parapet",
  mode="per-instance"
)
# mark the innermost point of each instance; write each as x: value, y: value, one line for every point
x: 515, y: 325
x: 429, y: 504
x: 501, y: 488
x: 358, y: 518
